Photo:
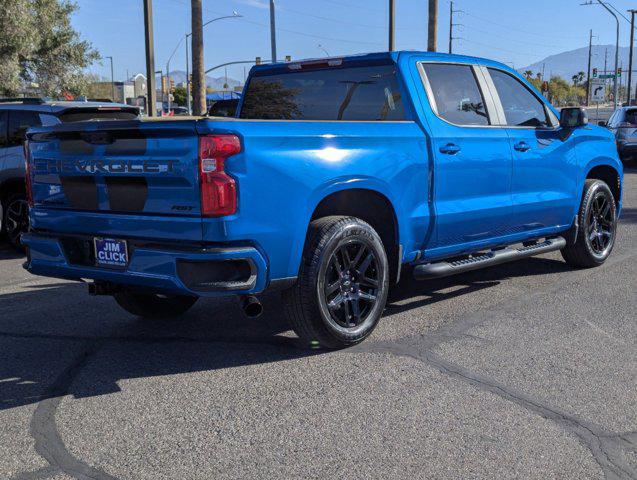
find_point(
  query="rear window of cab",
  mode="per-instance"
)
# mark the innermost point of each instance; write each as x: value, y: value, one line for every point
x: 369, y: 93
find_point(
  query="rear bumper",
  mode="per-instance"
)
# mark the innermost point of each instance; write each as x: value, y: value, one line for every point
x: 203, y: 272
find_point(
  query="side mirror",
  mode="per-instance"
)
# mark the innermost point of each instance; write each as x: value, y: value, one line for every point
x: 573, y: 117
x: 602, y: 123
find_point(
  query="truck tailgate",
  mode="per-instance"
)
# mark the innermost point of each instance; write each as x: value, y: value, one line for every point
x: 125, y: 178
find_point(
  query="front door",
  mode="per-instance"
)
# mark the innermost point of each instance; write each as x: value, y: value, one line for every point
x: 472, y: 160
x: 543, y: 187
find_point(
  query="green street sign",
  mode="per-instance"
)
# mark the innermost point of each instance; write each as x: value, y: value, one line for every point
x: 608, y: 75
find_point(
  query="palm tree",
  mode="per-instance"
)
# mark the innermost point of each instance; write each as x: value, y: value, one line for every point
x: 528, y: 74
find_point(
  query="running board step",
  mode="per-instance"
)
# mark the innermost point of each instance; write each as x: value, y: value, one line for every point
x: 494, y: 257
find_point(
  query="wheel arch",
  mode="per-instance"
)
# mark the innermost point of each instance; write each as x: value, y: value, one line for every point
x: 371, y: 206
x: 609, y: 175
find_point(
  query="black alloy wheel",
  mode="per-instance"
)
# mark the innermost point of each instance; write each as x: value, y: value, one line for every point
x: 600, y: 228
x: 16, y: 219
x: 350, y: 284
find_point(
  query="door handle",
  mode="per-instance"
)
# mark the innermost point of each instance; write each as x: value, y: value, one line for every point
x: 450, y: 149
x: 522, y: 146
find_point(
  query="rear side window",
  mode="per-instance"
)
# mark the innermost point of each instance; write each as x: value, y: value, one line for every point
x: 357, y: 93
x: 19, y: 123
x: 3, y: 129
x: 456, y: 93
x: 521, y: 107
x: 631, y: 117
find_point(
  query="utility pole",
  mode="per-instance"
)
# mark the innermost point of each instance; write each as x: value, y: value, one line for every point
x: 588, y: 75
x: 630, y: 56
x: 112, y: 79
x: 452, y: 12
x: 615, y: 82
x: 392, y: 25
x: 198, y: 75
x: 151, y: 99
x: 432, y: 40
x: 273, y: 31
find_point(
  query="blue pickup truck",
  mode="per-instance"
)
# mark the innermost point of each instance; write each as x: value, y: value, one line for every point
x: 335, y: 174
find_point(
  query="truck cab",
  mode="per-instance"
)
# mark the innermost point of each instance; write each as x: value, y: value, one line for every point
x: 335, y: 173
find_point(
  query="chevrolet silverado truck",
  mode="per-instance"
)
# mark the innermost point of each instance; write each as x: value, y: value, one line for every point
x: 335, y: 174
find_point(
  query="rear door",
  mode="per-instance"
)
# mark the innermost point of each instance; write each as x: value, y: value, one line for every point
x: 544, y: 163
x: 472, y: 171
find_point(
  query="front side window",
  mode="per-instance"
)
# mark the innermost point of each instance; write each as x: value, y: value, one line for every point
x: 352, y: 93
x: 19, y: 123
x: 3, y: 129
x: 521, y: 107
x: 456, y: 93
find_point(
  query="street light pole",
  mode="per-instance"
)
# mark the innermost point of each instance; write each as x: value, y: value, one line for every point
x: 615, y: 84
x: 112, y: 79
x: 630, y: 56
x: 234, y: 15
x: 588, y: 75
x: 273, y: 31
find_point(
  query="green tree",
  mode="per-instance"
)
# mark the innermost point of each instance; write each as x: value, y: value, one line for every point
x: 38, y: 46
x: 180, y: 96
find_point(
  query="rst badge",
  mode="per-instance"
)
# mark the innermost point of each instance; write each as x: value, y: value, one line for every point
x: 111, y: 253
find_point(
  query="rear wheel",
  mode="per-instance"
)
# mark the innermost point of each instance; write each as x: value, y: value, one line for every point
x: 15, y: 219
x: 597, y: 221
x: 152, y: 305
x: 343, y: 283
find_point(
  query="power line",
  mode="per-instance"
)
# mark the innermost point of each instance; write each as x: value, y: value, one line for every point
x: 508, y: 27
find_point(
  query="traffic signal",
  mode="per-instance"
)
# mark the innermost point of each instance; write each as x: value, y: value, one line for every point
x: 172, y: 85
x: 594, y: 73
x: 619, y: 72
x: 164, y: 83
x: 257, y: 61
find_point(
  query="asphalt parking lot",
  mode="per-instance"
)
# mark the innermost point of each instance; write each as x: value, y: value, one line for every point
x: 527, y: 370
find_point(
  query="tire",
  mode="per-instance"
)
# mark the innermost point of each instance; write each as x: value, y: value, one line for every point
x: 342, y: 286
x: 149, y: 305
x: 597, y: 220
x: 15, y: 219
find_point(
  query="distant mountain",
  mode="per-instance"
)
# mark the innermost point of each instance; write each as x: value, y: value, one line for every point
x: 567, y: 64
x: 215, y: 83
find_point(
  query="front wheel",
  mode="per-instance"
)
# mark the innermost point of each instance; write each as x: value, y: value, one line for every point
x: 597, y: 220
x: 151, y: 305
x: 343, y: 283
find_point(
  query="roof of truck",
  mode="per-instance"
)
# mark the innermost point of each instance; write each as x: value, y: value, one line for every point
x: 371, y: 58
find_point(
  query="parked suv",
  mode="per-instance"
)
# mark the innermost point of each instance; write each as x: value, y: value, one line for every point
x: 16, y: 117
x: 623, y: 123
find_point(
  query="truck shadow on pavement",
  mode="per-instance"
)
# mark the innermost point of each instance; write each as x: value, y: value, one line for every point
x: 55, y: 340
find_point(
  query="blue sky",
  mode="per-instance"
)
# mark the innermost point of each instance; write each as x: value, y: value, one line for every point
x: 515, y: 31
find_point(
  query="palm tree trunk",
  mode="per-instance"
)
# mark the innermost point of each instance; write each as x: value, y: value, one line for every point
x: 198, y: 70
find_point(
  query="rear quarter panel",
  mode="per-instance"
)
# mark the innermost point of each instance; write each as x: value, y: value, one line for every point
x: 287, y: 168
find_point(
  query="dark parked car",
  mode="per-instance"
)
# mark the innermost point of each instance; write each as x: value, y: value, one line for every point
x: 16, y: 117
x: 623, y: 123
x: 224, y: 108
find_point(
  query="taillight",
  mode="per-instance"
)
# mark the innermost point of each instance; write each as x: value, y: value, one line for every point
x: 29, y: 187
x: 218, y: 189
